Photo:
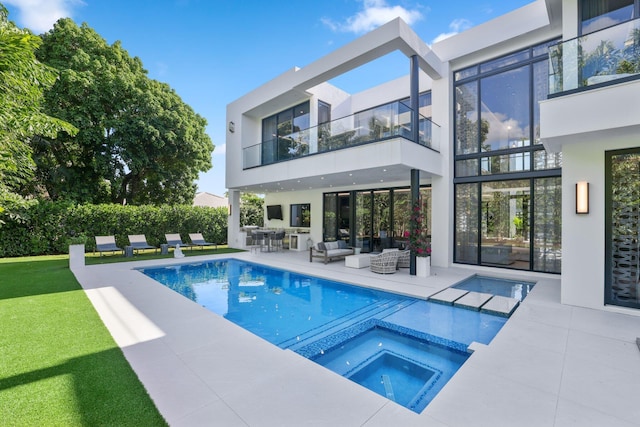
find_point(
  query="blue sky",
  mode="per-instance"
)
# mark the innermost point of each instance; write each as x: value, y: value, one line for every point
x: 213, y: 52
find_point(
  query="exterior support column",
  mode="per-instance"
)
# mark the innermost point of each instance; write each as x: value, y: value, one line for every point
x: 414, y: 96
x: 415, y: 196
x: 233, y: 224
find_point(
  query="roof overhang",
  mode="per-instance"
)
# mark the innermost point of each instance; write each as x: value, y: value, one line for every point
x: 292, y: 85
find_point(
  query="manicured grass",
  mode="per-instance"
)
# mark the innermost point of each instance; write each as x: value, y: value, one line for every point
x: 59, y: 366
x: 106, y: 258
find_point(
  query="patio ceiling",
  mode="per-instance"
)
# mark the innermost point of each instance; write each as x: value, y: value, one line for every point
x: 359, y: 178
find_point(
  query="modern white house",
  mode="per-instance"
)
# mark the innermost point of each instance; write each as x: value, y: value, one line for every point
x: 520, y: 137
x: 210, y: 200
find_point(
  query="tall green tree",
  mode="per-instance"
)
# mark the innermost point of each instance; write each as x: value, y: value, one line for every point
x: 138, y: 141
x: 22, y: 80
x: 251, y: 209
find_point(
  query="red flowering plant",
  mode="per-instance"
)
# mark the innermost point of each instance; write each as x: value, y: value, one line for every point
x: 417, y: 234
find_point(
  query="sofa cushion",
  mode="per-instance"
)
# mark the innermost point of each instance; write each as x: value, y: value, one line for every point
x: 342, y: 244
x: 320, y: 246
x: 331, y: 245
x: 339, y: 252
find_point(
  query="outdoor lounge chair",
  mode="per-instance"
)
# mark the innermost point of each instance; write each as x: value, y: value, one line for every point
x: 139, y: 241
x: 385, y: 263
x: 107, y: 244
x: 198, y: 240
x: 174, y: 239
x: 404, y: 258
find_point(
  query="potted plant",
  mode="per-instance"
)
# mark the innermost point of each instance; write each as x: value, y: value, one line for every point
x: 419, y: 240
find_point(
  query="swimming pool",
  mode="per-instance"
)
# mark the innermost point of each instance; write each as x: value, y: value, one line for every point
x: 517, y: 289
x: 354, y: 331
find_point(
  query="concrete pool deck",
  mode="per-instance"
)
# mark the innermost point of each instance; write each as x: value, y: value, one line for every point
x: 550, y: 365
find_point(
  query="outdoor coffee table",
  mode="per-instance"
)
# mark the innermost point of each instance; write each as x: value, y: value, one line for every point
x: 357, y: 261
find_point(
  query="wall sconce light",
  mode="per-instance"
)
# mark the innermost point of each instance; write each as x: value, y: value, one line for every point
x: 229, y: 209
x: 582, y: 197
x: 232, y: 127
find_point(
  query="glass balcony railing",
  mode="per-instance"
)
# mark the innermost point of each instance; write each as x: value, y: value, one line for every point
x: 384, y: 122
x: 598, y: 57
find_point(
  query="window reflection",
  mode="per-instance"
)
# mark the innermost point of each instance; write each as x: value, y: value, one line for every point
x: 505, y: 107
x: 505, y: 224
x: 599, y: 14
x: 467, y: 119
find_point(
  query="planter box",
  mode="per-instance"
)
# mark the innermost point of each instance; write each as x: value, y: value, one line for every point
x: 76, y: 257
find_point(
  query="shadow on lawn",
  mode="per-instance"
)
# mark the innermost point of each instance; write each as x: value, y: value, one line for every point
x: 105, y: 388
x: 33, y: 276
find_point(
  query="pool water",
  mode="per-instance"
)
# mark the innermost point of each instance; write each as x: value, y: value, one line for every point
x: 490, y: 285
x: 403, y: 348
x: 403, y: 368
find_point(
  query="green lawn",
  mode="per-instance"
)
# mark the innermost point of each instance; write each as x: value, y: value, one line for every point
x: 59, y: 365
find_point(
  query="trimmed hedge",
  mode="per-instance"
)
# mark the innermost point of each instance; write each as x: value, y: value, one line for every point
x: 48, y: 228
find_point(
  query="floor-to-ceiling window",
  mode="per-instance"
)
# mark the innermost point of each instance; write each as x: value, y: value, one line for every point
x: 505, y: 182
x: 622, y: 232
x: 371, y: 220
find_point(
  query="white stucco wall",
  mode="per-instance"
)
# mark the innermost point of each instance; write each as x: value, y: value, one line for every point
x: 583, y: 236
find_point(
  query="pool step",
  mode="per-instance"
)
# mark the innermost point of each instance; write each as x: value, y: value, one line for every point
x: 472, y: 300
x: 486, y: 303
x: 380, y: 309
x: 502, y: 306
x: 448, y: 295
x: 388, y: 388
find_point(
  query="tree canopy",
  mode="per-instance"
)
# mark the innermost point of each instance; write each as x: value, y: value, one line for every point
x: 251, y: 209
x: 22, y: 80
x: 138, y: 142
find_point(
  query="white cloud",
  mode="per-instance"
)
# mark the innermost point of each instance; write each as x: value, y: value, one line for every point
x: 220, y: 150
x: 456, y: 26
x: 374, y: 14
x: 40, y: 15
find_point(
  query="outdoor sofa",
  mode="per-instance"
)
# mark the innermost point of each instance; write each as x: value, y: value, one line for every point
x: 329, y: 251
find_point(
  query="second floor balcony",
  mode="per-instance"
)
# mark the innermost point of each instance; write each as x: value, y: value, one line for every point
x: 598, y: 58
x: 380, y: 123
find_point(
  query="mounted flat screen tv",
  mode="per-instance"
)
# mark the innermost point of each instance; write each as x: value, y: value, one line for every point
x: 274, y: 212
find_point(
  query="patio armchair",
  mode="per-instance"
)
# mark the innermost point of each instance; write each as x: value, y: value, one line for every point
x: 404, y: 258
x: 139, y: 241
x: 107, y: 244
x: 385, y: 262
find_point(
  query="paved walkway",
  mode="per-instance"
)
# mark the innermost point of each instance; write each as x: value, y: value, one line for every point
x: 550, y: 365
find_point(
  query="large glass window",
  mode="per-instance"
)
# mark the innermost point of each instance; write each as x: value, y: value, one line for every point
x: 466, y: 223
x: 547, y: 217
x: 363, y: 226
x: 505, y: 181
x: 330, y: 217
x: 506, y: 104
x: 281, y: 134
x: 506, y: 224
x: 622, y: 233
x: 468, y: 133
x: 380, y: 217
x: 599, y: 14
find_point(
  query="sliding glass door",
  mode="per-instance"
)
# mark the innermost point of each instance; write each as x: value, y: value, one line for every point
x: 372, y: 220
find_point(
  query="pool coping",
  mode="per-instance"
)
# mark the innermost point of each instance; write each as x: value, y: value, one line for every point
x: 199, y: 368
